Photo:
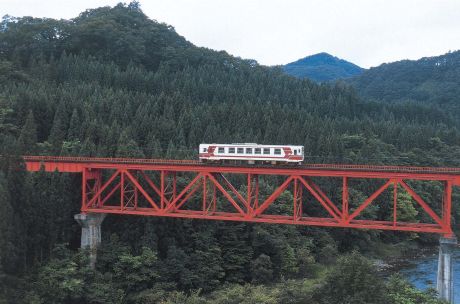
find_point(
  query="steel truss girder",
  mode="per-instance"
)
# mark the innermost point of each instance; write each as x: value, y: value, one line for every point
x: 245, y: 204
x: 233, y: 193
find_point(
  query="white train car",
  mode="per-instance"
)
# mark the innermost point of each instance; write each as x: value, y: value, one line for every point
x: 251, y: 153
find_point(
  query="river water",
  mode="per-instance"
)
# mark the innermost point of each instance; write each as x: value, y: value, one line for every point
x: 422, y: 272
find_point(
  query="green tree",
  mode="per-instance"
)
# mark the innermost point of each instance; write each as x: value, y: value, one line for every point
x: 207, y: 269
x: 262, y: 269
x: 306, y: 262
x: 405, y: 207
x: 6, y: 228
x: 74, y: 126
x: 63, y: 279
x: 59, y: 127
x: 235, y: 251
x: 136, y: 273
x: 244, y: 294
x: 27, y: 141
x: 127, y: 147
x: 289, y: 266
x: 401, y: 292
x: 353, y: 280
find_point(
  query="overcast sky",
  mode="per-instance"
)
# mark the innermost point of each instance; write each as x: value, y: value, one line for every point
x: 365, y: 32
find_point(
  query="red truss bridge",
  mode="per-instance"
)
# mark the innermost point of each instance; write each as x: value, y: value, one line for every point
x: 191, y: 189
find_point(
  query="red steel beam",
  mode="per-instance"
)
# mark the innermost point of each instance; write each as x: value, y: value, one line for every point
x: 103, y: 178
x: 78, y: 164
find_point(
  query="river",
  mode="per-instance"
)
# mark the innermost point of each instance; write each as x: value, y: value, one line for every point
x: 422, y: 272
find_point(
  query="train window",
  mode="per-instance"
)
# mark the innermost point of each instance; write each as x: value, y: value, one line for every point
x: 295, y: 152
x: 277, y: 151
x: 257, y: 151
x: 231, y: 150
x: 205, y: 149
x: 221, y: 150
x: 266, y: 150
x: 240, y: 150
x: 248, y: 150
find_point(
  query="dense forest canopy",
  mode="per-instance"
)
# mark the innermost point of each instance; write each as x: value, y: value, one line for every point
x: 430, y: 80
x: 112, y: 82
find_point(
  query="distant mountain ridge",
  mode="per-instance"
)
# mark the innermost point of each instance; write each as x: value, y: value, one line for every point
x: 322, y: 67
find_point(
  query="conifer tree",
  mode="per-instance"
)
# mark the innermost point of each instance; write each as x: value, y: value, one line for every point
x: 6, y: 224
x: 235, y: 252
x: 28, y: 138
x: 74, y: 126
x: 262, y: 269
x: 127, y: 147
x: 171, y: 151
x: 59, y: 128
x: 153, y: 148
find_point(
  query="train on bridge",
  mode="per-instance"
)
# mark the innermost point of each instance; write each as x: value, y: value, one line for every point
x: 251, y: 153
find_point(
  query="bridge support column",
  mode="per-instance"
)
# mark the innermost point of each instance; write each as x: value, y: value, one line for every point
x: 445, y: 283
x: 90, y: 233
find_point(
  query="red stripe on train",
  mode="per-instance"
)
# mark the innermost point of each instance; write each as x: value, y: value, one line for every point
x: 207, y: 155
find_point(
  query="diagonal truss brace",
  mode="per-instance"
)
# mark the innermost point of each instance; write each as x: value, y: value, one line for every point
x: 98, y: 195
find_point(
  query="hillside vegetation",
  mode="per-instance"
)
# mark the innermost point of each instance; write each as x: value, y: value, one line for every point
x: 114, y: 83
x: 429, y: 81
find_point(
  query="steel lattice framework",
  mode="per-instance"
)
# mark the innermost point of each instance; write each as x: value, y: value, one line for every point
x: 190, y: 189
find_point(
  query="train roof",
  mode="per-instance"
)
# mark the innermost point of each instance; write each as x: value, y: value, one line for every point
x: 250, y: 144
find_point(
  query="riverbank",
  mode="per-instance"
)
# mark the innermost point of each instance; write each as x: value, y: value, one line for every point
x: 405, y: 258
x: 419, y: 267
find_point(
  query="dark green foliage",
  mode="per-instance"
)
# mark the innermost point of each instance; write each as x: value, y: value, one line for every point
x: 7, y: 226
x: 127, y: 147
x: 353, y: 280
x: 434, y: 81
x: 236, y: 252
x: 66, y: 278
x: 27, y: 140
x: 136, y: 273
x: 400, y: 291
x: 67, y: 275
x: 262, y: 269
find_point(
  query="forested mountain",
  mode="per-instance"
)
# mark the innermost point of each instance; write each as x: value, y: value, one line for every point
x: 114, y: 83
x: 322, y: 67
x: 430, y: 80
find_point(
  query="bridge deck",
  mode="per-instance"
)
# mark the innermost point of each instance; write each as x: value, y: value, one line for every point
x: 78, y: 164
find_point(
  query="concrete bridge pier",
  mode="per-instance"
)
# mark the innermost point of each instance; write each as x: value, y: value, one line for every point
x: 445, y: 282
x: 90, y: 233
